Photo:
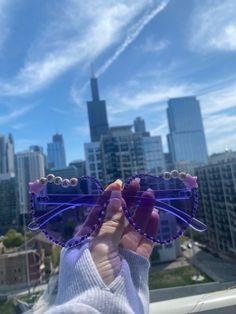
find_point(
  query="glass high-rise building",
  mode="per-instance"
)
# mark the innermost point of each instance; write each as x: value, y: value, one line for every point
x: 186, y: 139
x: 30, y: 166
x: 7, y: 168
x: 97, y: 113
x: 8, y: 204
x: 56, y: 153
x: 217, y: 191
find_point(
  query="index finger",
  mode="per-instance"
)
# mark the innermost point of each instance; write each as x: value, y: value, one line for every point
x: 93, y: 217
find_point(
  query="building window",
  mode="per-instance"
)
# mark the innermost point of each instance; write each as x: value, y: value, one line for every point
x: 92, y: 167
x: 91, y: 157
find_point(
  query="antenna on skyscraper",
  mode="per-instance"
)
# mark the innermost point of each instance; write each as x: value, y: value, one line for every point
x: 92, y: 71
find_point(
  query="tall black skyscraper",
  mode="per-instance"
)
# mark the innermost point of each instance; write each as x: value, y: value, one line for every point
x: 96, y: 113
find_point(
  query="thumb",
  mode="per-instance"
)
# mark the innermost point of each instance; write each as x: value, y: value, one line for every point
x: 104, y: 247
x: 113, y: 225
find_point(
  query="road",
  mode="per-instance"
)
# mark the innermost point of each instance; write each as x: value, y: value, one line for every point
x: 215, y: 267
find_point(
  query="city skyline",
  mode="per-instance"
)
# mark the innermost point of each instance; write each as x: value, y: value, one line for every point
x: 98, y: 93
x: 143, y: 54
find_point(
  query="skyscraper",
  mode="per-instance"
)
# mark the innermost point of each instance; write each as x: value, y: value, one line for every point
x: 93, y: 160
x: 186, y: 139
x: 153, y: 155
x: 7, y: 168
x: 80, y: 165
x: 139, y: 125
x: 217, y: 190
x: 30, y: 166
x: 56, y: 153
x: 97, y: 114
x: 8, y: 204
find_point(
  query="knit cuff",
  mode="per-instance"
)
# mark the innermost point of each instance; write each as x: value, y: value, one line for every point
x: 139, y: 268
x: 78, y: 274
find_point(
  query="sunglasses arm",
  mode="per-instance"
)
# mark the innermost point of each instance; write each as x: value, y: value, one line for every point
x: 193, y: 222
x: 91, y: 201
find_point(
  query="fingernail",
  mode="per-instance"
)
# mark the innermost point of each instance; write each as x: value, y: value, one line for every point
x: 115, y: 194
x: 150, y: 190
x: 119, y: 182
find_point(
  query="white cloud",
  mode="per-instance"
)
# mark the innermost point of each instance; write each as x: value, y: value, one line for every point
x: 145, y: 95
x: 152, y: 45
x: 78, y: 33
x: 133, y: 33
x: 14, y: 114
x: 219, y: 99
x: 213, y: 25
x: 220, y: 131
x: 221, y: 143
x: 216, y: 123
x: 60, y: 111
x: 18, y: 126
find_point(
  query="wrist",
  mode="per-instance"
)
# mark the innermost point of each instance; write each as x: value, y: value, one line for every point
x: 107, y: 261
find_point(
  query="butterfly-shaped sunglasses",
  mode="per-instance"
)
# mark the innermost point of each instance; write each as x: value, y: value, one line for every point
x: 70, y: 211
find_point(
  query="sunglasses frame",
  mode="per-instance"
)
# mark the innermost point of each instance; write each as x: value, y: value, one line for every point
x: 101, y: 215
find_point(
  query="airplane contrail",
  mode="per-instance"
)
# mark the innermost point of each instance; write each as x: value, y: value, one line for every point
x: 132, y: 35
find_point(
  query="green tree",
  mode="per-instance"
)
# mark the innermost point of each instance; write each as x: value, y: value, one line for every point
x: 13, y: 238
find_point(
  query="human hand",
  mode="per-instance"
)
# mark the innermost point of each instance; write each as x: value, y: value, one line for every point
x: 113, y: 233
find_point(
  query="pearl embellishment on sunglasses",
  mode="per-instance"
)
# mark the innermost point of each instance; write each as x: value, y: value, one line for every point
x: 43, y: 180
x: 58, y: 180
x: 182, y: 175
x: 50, y: 178
x: 65, y: 183
x: 73, y: 181
x: 175, y: 174
x: 166, y: 176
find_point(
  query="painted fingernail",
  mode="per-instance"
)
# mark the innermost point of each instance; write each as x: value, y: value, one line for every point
x: 119, y: 182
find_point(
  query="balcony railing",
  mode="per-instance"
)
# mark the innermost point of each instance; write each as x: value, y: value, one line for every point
x: 213, y: 303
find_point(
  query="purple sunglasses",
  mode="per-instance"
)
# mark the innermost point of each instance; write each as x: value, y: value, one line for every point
x: 69, y: 211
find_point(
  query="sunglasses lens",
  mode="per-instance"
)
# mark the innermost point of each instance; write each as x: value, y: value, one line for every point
x: 174, y: 203
x: 67, y: 215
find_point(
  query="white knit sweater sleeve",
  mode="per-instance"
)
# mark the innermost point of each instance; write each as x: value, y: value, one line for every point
x: 82, y: 290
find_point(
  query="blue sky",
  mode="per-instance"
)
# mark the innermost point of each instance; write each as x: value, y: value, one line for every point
x: 143, y: 52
